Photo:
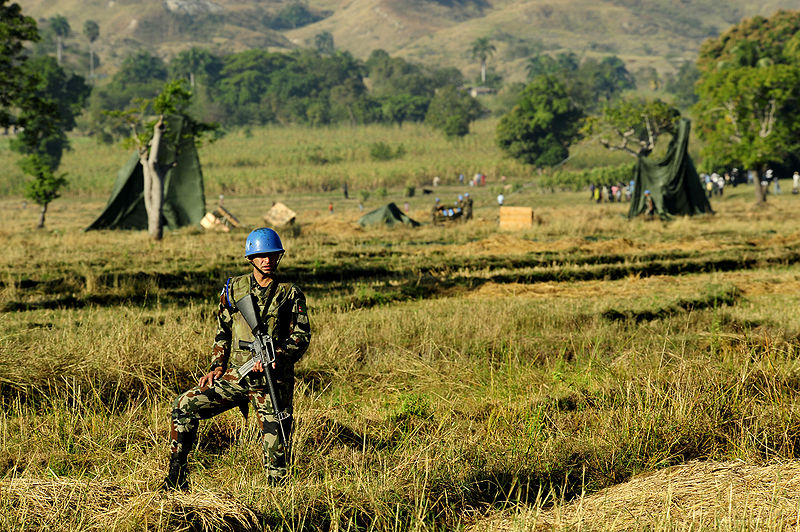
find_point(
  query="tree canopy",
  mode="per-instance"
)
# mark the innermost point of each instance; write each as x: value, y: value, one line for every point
x: 452, y: 111
x: 15, y: 30
x: 633, y: 125
x: 749, y: 88
x: 540, y: 128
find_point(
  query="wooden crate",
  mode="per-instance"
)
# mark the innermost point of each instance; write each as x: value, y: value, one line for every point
x: 516, y: 217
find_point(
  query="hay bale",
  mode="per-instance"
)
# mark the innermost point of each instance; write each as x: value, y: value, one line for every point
x: 280, y: 215
x: 516, y: 217
x: 692, y: 496
x: 50, y: 503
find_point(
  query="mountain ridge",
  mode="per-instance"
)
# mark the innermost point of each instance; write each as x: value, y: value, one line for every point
x: 656, y: 34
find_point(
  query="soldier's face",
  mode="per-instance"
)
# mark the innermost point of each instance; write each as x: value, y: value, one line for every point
x: 267, y: 262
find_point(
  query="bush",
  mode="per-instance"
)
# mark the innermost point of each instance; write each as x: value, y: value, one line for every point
x: 409, y: 191
x: 381, y: 151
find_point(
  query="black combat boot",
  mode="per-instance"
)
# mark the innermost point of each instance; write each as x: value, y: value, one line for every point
x: 178, y: 476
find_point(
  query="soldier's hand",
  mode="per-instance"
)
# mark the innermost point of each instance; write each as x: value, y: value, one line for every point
x: 258, y: 367
x: 208, y: 378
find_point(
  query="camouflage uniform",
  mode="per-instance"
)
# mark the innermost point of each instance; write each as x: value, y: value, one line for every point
x: 283, y: 310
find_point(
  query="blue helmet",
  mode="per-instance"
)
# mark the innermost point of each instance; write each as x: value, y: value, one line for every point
x: 262, y: 240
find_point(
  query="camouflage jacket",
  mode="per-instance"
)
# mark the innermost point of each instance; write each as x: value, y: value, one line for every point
x: 286, y: 320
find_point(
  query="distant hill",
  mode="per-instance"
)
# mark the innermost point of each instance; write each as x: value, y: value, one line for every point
x: 644, y: 33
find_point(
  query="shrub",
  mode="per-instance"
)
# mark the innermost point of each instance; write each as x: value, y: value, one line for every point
x: 381, y: 151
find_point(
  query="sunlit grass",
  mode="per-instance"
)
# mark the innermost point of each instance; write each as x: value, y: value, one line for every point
x: 455, y: 372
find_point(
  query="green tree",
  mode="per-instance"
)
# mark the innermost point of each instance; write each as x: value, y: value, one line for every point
x: 540, y: 128
x: 193, y: 64
x: 749, y: 94
x: 323, y: 42
x: 15, y: 30
x: 51, y: 101
x: 92, y: 32
x: 541, y: 65
x: 634, y: 124
x: 451, y: 111
x: 146, y: 135
x: 60, y: 27
x: 482, y: 49
x: 682, y: 83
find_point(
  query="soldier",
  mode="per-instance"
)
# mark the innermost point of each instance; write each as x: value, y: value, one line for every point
x: 283, y: 309
x: 467, y: 206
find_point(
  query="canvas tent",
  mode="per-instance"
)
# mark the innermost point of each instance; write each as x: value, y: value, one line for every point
x: 673, y: 181
x: 184, y: 199
x: 388, y: 215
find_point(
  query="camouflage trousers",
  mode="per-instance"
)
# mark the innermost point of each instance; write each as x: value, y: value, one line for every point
x: 230, y: 392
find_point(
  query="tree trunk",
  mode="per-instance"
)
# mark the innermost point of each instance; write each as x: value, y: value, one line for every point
x: 41, y: 217
x: 153, y: 183
x: 91, y: 62
x: 761, y: 191
x: 483, y: 71
x: 59, y: 50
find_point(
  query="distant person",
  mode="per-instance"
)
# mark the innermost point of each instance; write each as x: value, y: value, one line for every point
x: 765, y: 179
x: 436, y: 181
x: 330, y: 207
x: 467, y: 206
x: 795, y: 182
x: 650, y: 206
x: 405, y: 207
x: 591, y: 191
x: 460, y: 179
x: 500, y: 199
x: 344, y: 189
x: 777, y: 184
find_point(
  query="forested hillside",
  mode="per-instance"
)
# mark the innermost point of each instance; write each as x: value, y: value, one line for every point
x: 644, y: 33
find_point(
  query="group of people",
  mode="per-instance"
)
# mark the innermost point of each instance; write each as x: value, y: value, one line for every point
x: 715, y: 183
x: 617, y: 192
x: 461, y: 209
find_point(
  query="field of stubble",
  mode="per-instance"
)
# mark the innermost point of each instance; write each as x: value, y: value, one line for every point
x: 589, y: 372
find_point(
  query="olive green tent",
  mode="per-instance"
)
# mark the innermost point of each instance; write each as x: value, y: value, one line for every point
x: 184, y: 199
x: 387, y: 215
x: 673, y: 181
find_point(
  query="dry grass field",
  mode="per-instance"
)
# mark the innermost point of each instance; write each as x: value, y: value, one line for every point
x: 587, y: 373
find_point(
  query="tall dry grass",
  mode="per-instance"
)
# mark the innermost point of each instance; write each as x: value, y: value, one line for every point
x: 455, y: 372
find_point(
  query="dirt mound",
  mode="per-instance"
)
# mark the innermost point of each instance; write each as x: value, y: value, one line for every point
x: 691, y: 496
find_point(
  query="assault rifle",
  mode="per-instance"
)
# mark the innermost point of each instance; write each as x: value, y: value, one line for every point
x: 263, y: 351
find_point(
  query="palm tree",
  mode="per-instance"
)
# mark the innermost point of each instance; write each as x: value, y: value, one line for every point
x: 61, y: 28
x: 482, y: 49
x: 92, y: 32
